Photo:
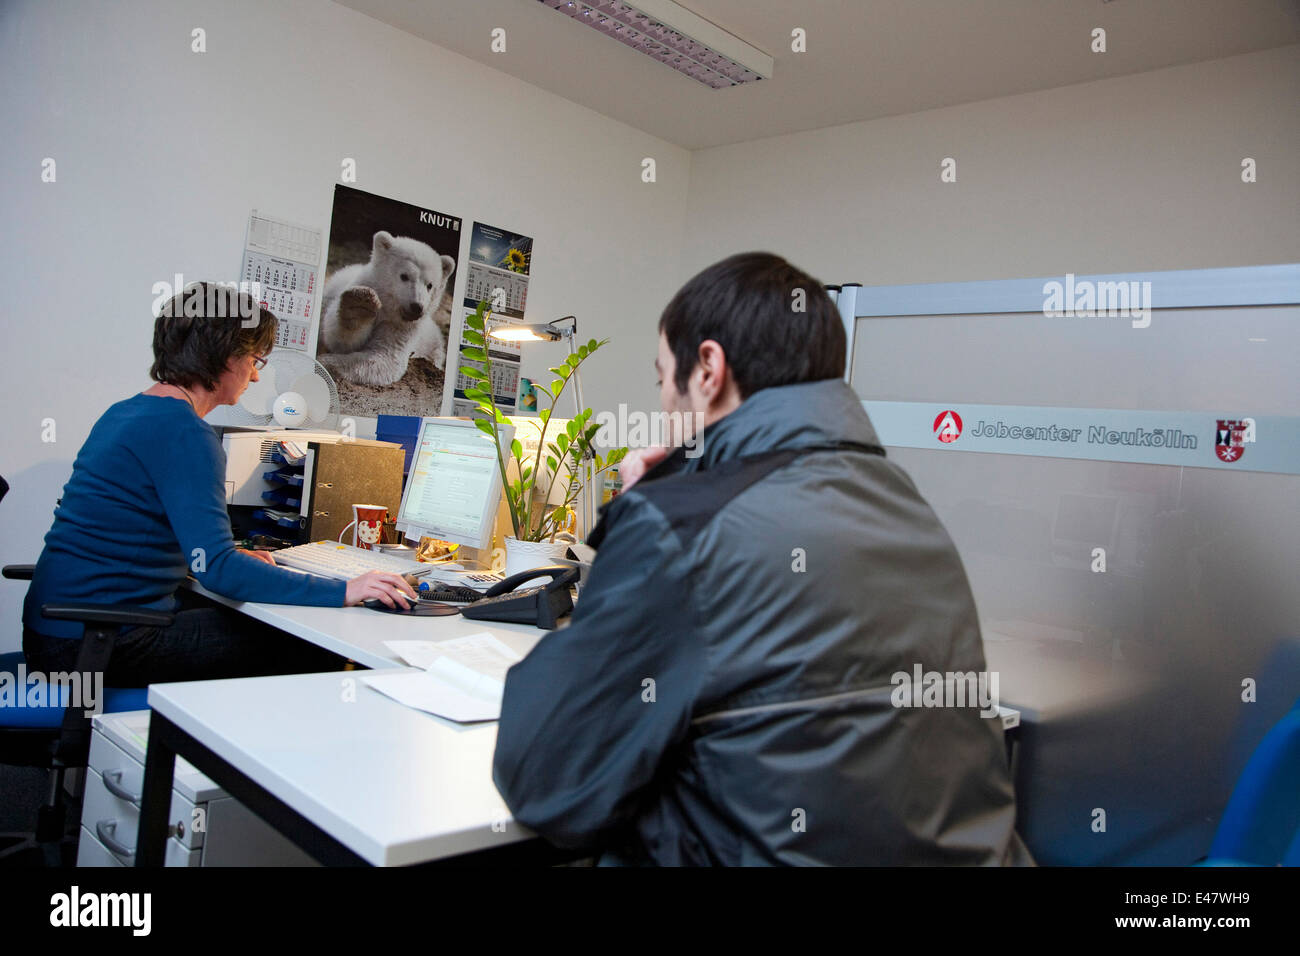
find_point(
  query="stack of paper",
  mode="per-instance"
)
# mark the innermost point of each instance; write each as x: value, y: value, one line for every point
x: 462, y: 679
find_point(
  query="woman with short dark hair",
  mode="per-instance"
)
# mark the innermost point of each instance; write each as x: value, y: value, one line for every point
x: 146, y: 505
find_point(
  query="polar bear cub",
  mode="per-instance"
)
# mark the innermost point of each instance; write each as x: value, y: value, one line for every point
x: 376, y: 315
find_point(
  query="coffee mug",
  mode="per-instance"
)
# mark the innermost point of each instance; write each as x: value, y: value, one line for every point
x: 368, y: 525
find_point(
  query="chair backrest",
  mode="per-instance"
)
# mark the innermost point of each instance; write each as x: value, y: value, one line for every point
x: 1261, y: 824
x: 73, y: 743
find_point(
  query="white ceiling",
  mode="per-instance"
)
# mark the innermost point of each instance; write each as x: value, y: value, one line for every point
x: 865, y: 58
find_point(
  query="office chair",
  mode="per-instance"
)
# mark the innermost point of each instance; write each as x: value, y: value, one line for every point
x: 52, y: 735
x: 1261, y: 824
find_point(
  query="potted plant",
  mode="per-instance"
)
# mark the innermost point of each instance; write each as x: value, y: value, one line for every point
x: 535, y: 527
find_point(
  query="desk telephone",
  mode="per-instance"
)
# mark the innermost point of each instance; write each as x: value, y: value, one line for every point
x: 542, y: 605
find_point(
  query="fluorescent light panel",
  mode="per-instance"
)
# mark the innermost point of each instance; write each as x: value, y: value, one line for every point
x: 674, y: 36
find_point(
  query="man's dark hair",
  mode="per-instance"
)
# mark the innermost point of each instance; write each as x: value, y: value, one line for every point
x: 199, y: 330
x: 775, y: 323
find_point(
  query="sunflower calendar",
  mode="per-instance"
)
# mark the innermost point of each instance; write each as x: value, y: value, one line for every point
x: 500, y: 266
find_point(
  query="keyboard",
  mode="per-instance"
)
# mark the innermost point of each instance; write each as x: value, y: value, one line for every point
x: 437, y: 591
x: 344, y: 562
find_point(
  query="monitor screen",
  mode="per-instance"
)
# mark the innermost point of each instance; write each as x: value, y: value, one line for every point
x: 454, y: 485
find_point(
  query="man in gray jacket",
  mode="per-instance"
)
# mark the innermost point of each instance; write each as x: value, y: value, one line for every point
x: 731, y: 688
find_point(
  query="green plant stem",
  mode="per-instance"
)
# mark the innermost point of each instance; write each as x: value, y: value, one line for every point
x: 501, y: 465
x: 541, y: 446
x: 492, y: 400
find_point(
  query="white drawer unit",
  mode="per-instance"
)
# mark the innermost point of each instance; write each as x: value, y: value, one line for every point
x: 207, y: 827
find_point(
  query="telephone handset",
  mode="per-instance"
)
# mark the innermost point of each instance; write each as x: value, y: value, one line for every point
x: 542, y: 605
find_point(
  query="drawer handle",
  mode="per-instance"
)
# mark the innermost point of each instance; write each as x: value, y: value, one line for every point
x: 105, y: 829
x: 112, y: 783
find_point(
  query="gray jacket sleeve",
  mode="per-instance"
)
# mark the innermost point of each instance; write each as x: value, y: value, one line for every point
x: 590, y: 715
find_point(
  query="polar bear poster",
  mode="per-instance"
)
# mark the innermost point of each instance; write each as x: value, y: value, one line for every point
x: 386, y: 305
x: 375, y: 315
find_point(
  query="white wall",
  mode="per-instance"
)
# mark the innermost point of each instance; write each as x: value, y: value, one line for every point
x: 161, y: 153
x: 1134, y: 173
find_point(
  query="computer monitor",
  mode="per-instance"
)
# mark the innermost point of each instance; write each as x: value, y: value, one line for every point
x: 454, y: 486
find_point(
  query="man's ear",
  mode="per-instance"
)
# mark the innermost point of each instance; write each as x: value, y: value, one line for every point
x: 711, y: 361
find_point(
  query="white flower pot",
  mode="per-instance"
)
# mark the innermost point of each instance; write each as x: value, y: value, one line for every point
x: 526, y: 555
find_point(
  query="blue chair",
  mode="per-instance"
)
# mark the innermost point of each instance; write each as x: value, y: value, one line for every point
x: 52, y: 735
x: 1261, y: 824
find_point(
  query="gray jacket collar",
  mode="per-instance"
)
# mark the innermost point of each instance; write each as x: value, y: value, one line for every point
x: 787, y: 416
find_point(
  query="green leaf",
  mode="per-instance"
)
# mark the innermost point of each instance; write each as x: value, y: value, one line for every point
x: 527, y: 476
x: 517, y: 450
x: 474, y: 322
x: 469, y: 335
x: 477, y: 355
x: 554, y: 370
x: 501, y: 419
x: 573, y: 361
x: 478, y: 394
x: 590, y: 433
x: 544, y: 415
x: 556, y: 451
x: 469, y: 371
x: 563, y: 442
x: 583, y: 351
x: 551, y: 464
x: 572, y: 427
x: 485, y: 427
x: 560, y: 515
x: 593, y: 344
x: 556, y: 386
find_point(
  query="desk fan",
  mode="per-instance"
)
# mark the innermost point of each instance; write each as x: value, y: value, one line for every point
x: 293, y: 391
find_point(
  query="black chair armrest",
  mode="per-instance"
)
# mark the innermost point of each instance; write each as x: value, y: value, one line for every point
x: 19, y: 572
x: 118, y: 614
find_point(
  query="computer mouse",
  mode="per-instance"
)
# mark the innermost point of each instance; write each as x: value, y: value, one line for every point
x: 417, y: 608
x: 377, y: 605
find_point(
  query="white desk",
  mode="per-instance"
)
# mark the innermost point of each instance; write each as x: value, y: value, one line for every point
x: 350, y: 775
x: 359, y: 633
x: 365, y: 780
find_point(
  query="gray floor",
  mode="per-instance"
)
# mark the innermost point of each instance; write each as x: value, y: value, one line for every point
x: 22, y: 791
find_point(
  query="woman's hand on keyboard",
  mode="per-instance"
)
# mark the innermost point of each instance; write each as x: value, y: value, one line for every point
x: 380, y: 585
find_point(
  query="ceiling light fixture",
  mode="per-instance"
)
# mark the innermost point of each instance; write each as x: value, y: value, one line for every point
x: 671, y: 34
